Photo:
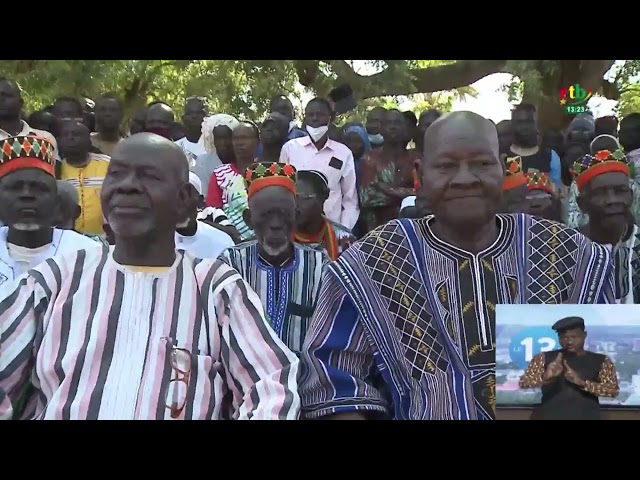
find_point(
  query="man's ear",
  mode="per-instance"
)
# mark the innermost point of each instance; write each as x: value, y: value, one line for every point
x: 77, y: 210
x: 188, y: 199
x: 246, y: 216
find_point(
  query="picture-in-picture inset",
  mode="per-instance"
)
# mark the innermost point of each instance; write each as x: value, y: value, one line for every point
x: 567, y: 362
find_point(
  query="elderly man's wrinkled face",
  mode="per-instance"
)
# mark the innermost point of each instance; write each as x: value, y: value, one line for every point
x: 143, y: 192
x: 462, y: 173
x: 28, y: 199
x: 272, y: 215
x: 607, y: 200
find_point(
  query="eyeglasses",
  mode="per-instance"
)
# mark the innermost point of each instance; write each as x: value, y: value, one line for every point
x: 176, y: 396
x: 306, y: 197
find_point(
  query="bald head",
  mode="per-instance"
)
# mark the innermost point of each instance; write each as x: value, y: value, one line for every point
x: 68, y: 193
x: 462, y: 174
x: 169, y: 154
x: 146, y: 191
x: 460, y: 129
x: 159, y: 116
x: 69, y: 205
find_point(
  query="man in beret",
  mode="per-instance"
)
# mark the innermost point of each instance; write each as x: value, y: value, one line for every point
x: 571, y: 378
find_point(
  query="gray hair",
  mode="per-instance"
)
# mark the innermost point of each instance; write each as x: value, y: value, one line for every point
x: 68, y: 192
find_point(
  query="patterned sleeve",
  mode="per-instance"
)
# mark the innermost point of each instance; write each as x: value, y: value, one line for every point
x: 22, y: 305
x: 340, y: 370
x: 261, y: 371
x: 607, y: 384
x: 532, y: 377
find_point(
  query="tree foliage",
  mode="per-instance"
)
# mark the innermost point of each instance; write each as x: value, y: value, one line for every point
x: 245, y: 87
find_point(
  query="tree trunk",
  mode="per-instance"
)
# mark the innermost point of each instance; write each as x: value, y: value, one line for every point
x: 588, y: 74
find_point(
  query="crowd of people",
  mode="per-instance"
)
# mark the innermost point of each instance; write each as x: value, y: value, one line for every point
x: 214, y: 268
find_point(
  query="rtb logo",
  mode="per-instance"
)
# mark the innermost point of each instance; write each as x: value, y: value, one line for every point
x: 574, y: 99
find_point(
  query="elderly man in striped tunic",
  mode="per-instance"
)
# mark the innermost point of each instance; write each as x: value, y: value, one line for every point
x: 285, y: 275
x: 142, y: 331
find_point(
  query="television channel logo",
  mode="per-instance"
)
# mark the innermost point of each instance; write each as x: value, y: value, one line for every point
x: 574, y: 99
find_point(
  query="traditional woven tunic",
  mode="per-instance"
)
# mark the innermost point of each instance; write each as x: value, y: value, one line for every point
x: 288, y: 293
x: 405, y: 324
x: 627, y: 264
x: 95, y: 340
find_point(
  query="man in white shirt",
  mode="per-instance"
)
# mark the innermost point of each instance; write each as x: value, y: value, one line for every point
x: 28, y: 203
x: 198, y: 238
x: 11, y: 124
x: 195, y: 111
x: 319, y: 153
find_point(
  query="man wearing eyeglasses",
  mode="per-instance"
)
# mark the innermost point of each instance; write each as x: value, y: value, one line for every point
x: 141, y: 330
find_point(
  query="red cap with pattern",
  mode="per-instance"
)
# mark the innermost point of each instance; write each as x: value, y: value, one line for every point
x: 26, y: 151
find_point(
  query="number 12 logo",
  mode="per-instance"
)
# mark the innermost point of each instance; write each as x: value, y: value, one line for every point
x: 529, y: 342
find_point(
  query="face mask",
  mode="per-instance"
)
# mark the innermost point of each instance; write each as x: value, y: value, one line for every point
x: 316, y: 133
x: 292, y: 125
x: 183, y: 224
x: 377, y: 139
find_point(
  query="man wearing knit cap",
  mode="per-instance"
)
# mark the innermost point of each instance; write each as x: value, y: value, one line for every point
x: 28, y: 205
x: 542, y: 198
x: 605, y: 196
x: 285, y: 275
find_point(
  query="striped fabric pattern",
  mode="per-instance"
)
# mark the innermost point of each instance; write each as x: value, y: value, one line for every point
x: 95, y: 341
x: 234, y: 197
x: 288, y: 294
x: 214, y: 215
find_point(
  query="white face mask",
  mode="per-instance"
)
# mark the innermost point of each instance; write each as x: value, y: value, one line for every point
x: 27, y: 227
x: 316, y: 133
x: 377, y: 139
x: 183, y: 224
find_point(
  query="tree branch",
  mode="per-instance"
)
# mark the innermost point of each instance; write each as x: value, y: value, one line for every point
x: 418, y: 80
x: 611, y: 90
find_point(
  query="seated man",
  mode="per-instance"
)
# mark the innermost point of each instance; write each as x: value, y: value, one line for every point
x: 285, y: 275
x: 606, y: 196
x: 29, y: 206
x: 141, y: 331
x: 405, y: 324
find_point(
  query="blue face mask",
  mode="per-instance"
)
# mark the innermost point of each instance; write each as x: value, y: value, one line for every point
x: 376, y: 140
